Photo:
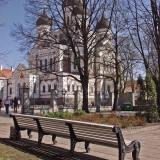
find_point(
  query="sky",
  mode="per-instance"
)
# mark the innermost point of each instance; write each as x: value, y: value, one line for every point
x: 10, y: 13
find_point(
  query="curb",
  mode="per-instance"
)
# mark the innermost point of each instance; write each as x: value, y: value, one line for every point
x: 141, y: 129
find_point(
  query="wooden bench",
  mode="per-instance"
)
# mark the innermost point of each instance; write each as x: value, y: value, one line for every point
x: 100, y: 134
x: 23, y: 122
x: 77, y: 131
x: 41, y: 125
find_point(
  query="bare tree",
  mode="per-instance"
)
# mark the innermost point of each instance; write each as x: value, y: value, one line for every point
x: 75, y: 25
x: 144, y: 29
x: 130, y: 63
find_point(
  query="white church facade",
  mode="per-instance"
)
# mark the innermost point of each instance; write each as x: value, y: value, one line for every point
x: 49, y: 66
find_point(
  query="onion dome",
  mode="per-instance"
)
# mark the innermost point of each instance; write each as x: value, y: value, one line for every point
x: 103, y: 23
x: 71, y: 2
x: 44, y: 19
x: 79, y: 10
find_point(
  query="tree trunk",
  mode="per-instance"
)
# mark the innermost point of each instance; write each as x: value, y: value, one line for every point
x: 85, y: 94
x: 115, y: 103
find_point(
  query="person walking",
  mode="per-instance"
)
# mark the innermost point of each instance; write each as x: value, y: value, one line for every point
x: 0, y: 104
x: 7, y: 103
x: 15, y: 101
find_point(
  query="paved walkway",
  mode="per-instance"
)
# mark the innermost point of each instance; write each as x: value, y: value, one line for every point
x: 149, y: 138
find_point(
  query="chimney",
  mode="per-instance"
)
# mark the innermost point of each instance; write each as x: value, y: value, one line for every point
x: 0, y: 67
x: 12, y: 69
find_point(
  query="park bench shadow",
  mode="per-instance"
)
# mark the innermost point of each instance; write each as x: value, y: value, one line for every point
x: 46, y: 151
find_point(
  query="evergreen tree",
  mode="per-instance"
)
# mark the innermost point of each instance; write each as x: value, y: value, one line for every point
x: 151, y: 108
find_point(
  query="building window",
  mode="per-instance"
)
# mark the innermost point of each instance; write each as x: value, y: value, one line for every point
x: 34, y: 90
x: 49, y: 88
x: 68, y: 88
x: 68, y: 20
x: 44, y: 88
x: 72, y: 88
x: 55, y: 86
x: 40, y: 65
x: 77, y: 88
x: 10, y: 91
x: 45, y: 64
x: 51, y: 63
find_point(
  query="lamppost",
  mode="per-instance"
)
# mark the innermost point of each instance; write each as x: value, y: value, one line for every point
x: 64, y: 93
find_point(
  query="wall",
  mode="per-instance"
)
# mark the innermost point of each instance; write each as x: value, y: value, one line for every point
x: 126, y: 97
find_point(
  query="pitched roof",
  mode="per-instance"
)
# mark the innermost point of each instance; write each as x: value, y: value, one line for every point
x: 6, y: 73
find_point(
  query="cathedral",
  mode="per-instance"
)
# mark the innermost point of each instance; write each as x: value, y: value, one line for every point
x: 52, y: 66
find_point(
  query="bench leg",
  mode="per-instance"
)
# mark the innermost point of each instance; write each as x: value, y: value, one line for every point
x: 17, y: 135
x: 54, y: 139
x: 29, y: 133
x: 135, y: 153
x: 40, y: 136
x: 87, y: 146
x: 73, y: 144
x: 122, y: 156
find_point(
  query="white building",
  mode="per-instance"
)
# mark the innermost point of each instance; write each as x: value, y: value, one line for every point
x: 48, y: 57
x: 5, y: 75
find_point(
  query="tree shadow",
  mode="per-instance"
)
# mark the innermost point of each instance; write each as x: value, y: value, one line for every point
x: 46, y: 151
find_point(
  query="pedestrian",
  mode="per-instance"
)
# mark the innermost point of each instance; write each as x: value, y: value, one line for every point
x: 7, y: 103
x: 15, y: 101
x: 0, y: 104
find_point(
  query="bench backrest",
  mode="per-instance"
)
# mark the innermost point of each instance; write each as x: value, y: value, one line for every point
x: 54, y: 126
x: 25, y: 121
x: 95, y: 133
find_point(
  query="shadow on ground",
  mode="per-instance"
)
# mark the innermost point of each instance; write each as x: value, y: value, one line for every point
x: 46, y: 151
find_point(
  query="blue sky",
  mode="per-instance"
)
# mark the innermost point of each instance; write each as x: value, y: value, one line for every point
x: 12, y: 12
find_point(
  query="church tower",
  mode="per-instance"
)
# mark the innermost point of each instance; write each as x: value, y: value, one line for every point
x: 44, y: 24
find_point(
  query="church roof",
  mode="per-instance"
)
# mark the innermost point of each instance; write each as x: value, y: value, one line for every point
x: 5, y: 73
x: 44, y: 19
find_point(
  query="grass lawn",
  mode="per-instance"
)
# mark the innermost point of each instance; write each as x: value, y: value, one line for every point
x: 8, y: 152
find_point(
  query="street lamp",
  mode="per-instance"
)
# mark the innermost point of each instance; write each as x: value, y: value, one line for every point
x: 64, y: 93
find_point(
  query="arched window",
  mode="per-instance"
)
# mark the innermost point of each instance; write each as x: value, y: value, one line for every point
x: 44, y: 88
x: 49, y: 88
x: 34, y: 89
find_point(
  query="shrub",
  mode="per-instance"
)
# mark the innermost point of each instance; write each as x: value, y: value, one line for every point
x: 59, y: 114
x: 79, y: 113
x: 111, y: 119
